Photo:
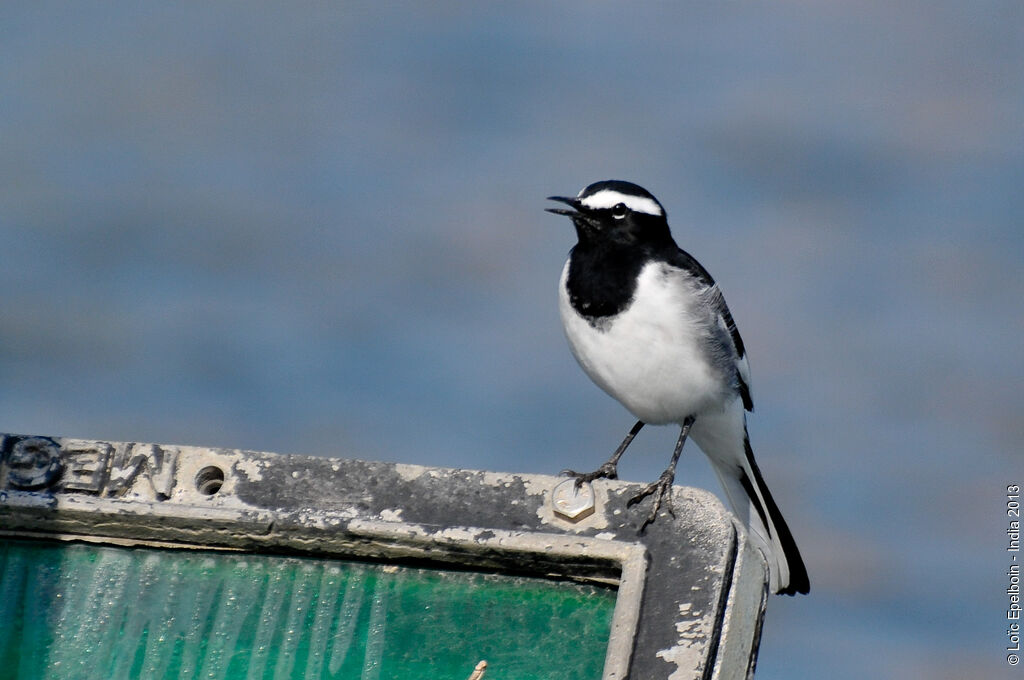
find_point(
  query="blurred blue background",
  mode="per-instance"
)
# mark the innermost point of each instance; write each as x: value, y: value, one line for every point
x: 319, y: 229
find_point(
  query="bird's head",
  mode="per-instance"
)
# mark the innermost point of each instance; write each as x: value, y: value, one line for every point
x: 615, y: 212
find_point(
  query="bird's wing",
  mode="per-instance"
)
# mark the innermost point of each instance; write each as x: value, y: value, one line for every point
x: 687, y: 262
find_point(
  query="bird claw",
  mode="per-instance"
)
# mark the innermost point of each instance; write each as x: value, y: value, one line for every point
x: 661, y: 490
x: 606, y: 471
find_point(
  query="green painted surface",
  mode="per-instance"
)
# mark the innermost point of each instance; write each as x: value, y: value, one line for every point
x: 78, y: 611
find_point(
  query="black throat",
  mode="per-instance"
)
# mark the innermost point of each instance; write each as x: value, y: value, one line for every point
x: 602, y: 278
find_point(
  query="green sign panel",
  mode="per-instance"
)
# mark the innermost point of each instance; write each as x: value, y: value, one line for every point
x: 84, y: 611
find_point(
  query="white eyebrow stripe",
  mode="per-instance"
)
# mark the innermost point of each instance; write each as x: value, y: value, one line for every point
x: 608, y: 198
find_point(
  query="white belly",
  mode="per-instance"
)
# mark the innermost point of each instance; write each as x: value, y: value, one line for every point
x: 653, y: 356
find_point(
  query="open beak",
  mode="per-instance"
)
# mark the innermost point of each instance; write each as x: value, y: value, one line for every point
x: 571, y: 202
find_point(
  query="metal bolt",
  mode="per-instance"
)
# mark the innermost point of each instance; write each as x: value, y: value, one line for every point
x: 573, y: 503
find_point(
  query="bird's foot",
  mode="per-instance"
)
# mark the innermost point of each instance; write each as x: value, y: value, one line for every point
x: 607, y: 471
x: 662, y: 491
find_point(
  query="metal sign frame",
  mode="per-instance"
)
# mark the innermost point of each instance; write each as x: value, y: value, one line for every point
x: 691, y: 593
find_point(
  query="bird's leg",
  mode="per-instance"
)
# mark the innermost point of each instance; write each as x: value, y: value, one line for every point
x: 663, y: 487
x: 610, y: 470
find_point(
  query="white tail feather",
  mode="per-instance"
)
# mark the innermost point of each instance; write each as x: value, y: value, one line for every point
x: 723, y: 438
x: 759, y: 535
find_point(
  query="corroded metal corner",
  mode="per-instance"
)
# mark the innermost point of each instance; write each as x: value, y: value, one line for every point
x: 691, y: 592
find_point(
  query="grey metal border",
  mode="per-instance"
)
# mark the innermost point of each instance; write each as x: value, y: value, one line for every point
x: 691, y: 593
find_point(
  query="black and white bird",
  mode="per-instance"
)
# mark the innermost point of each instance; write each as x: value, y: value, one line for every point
x: 649, y: 325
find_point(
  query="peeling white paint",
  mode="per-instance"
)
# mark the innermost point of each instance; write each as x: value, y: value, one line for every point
x: 693, y: 631
x: 500, y: 479
x: 410, y: 473
x: 251, y: 468
x: 538, y: 485
x: 459, y: 534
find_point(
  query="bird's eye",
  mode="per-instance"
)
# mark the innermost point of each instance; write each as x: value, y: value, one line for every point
x: 619, y: 210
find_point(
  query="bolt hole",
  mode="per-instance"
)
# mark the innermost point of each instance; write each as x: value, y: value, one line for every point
x: 209, y: 480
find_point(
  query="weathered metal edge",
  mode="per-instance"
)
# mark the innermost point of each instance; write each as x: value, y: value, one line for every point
x: 736, y: 657
x: 307, y: 504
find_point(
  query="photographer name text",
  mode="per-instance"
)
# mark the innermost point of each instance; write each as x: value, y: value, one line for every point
x: 1013, y: 613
